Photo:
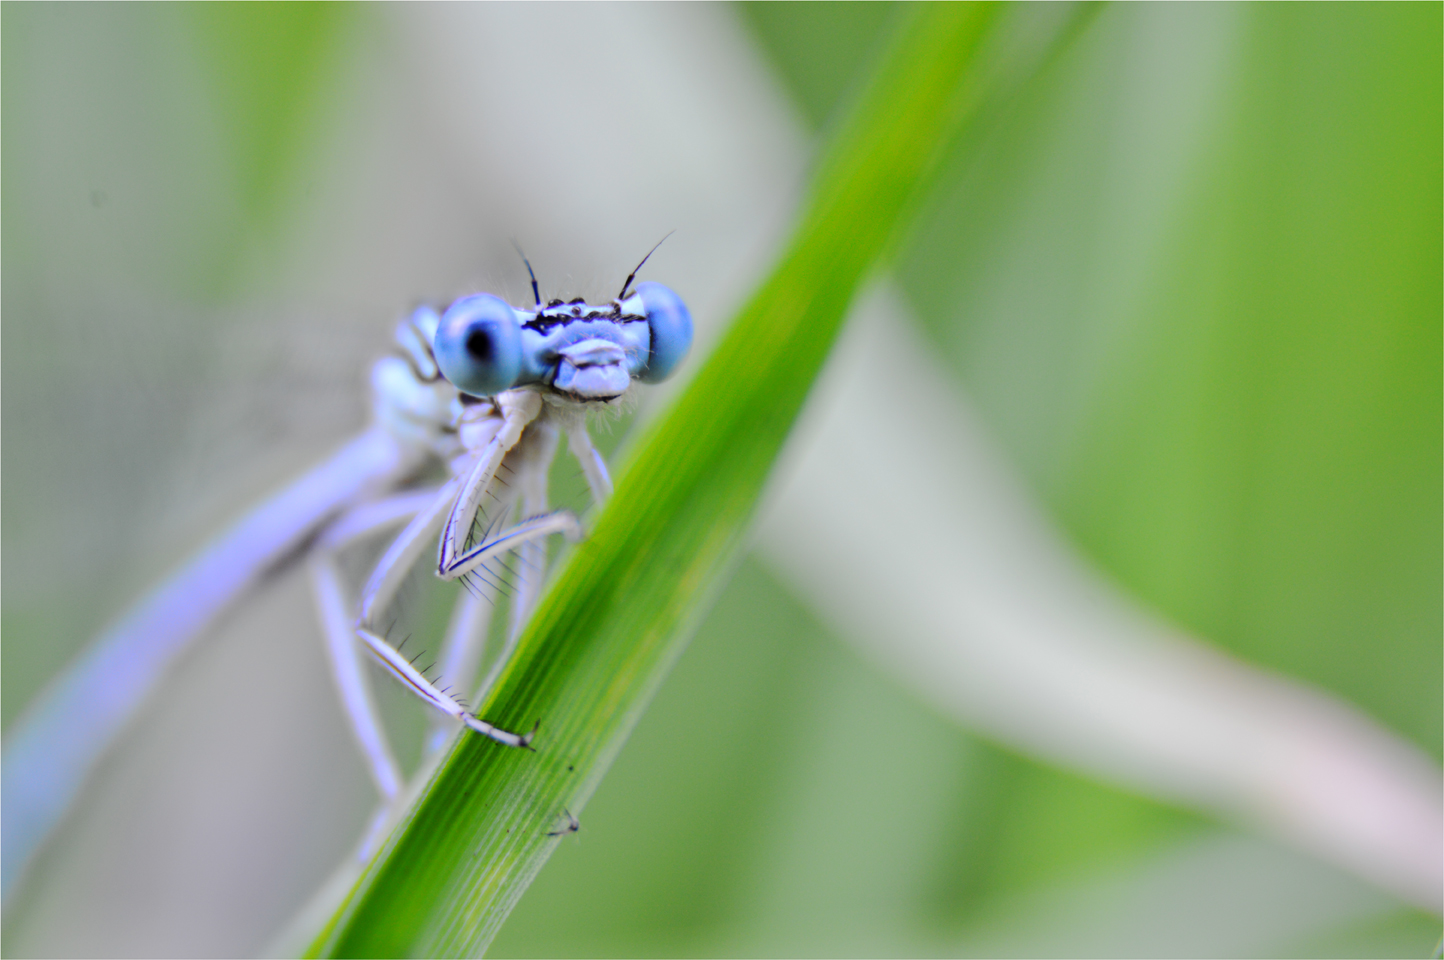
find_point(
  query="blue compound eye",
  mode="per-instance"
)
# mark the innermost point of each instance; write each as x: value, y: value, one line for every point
x: 671, y: 327
x: 478, y: 345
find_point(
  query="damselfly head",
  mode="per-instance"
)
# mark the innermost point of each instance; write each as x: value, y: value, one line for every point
x: 586, y: 352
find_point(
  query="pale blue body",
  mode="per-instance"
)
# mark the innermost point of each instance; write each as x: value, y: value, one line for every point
x: 578, y: 352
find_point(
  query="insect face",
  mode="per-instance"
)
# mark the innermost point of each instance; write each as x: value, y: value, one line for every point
x: 587, y: 352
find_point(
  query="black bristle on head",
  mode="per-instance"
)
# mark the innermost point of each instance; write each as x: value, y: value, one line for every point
x: 633, y: 275
x: 535, y: 291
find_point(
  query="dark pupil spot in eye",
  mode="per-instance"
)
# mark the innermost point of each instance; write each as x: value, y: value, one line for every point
x: 478, y: 344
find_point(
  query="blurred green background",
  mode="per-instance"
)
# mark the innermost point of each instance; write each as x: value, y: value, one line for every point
x: 1192, y: 281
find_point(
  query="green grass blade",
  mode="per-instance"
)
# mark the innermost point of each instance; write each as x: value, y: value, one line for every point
x: 624, y: 605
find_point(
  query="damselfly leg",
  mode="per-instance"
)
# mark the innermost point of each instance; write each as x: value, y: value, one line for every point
x: 514, y: 436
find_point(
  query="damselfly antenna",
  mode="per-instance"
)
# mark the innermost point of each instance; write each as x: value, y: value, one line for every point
x: 633, y: 275
x: 536, y: 294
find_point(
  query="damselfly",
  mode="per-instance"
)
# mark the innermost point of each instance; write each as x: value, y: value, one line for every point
x: 484, y: 389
